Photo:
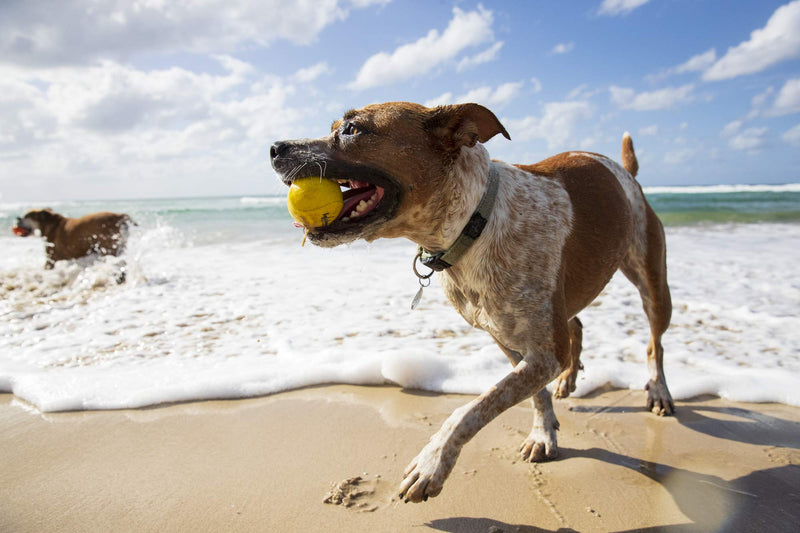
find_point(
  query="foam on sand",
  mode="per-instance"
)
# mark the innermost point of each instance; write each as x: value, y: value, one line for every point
x: 229, y: 320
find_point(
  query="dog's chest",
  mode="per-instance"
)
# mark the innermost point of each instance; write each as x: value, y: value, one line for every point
x: 466, y: 300
x: 515, y: 310
x: 505, y: 282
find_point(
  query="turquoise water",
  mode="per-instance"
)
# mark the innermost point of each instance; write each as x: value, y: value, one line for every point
x: 743, y: 206
x: 199, y: 220
x: 236, y: 219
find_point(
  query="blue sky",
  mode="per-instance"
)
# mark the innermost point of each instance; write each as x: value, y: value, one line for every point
x: 123, y: 99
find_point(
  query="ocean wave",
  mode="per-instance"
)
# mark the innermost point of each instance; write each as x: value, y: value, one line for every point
x: 722, y: 189
x: 236, y: 319
x: 262, y: 200
x: 8, y: 209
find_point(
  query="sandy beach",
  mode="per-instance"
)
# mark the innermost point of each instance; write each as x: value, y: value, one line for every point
x: 267, y: 464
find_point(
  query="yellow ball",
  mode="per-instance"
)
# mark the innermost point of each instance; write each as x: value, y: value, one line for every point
x: 314, y: 202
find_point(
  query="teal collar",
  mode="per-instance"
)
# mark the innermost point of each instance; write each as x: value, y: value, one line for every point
x: 439, y: 261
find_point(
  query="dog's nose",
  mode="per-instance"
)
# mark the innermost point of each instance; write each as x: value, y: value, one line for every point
x: 277, y: 149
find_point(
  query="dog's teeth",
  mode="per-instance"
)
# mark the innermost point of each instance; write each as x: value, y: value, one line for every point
x: 361, y: 206
x: 346, y: 219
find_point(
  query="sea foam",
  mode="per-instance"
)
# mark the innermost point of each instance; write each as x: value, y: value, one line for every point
x: 238, y: 319
x: 723, y: 189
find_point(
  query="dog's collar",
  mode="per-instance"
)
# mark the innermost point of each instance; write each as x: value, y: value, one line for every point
x: 439, y: 261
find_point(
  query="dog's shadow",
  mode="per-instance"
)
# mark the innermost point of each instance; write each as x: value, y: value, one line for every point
x: 465, y: 524
x: 764, y: 500
x: 729, y: 423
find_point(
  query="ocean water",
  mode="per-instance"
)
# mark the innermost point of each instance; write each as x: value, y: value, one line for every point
x: 221, y: 301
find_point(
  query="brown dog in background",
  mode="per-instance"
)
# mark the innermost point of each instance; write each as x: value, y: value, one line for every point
x: 72, y: 238
x: 557, y: 232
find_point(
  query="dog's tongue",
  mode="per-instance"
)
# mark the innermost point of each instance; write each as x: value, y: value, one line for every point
x: 360, y: 191
x: 20, y: 232
x: 355, y: 195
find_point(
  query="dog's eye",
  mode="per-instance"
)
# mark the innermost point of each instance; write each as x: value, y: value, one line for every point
x: 351, y: 129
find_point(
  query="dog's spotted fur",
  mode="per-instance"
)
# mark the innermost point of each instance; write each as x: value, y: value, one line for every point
x: 558, y: 232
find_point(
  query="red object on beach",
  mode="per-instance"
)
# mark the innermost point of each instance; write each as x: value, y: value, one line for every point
x: 22, y: 232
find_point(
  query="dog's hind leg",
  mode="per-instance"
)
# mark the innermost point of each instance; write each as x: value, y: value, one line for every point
x: 565, y: 384
x: 646, y: 268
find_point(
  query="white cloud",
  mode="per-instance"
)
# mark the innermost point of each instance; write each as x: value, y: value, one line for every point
x: 761, y: 98
x: 731, y: 128
x: 749, y: 139
x: 497, y: 97
x: 792, y: 136
x: 72, y: 32
x: 788, y: 99
x: 483, y: 57
x: 697, y: 63
x: 768, y: 104
x: 582, y: 92
x: 557, y: 125
x: 649, y: 130
x: 465, y: 30
x: 778, y: 40
x: 367, y: 3
x: 442, y: 99
x: 619, y: 7
x: 309, y: 74
x: 667, y: 98
x: 537, y: 85
x: 562, y: 48
x: 89, y: 123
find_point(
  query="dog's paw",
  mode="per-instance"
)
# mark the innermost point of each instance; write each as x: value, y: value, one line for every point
x: 539, y: 447
x: 565, y: 384
x: 425, y: 475
x: 659, y: 400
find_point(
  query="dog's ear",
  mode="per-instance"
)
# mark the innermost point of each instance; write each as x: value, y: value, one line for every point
x: 464, y: 125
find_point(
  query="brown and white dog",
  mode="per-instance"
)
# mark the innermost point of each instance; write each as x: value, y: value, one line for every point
x: 558, y: 232
x: 72, y: 238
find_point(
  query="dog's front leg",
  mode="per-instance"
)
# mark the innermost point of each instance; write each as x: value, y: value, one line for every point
x: 541, y: 444
x: 426, y: 474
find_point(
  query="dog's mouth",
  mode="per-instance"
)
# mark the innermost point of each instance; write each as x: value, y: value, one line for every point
x: 370, y: 198
x: 20, y: 229
x: 361, y: 199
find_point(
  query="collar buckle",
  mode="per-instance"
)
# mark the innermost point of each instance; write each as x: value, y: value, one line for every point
x: 433, y: 261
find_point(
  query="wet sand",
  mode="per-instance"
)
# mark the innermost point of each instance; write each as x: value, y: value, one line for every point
x: 267, y: 464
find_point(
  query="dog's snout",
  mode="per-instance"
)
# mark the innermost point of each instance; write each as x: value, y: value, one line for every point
x: 277, y: 149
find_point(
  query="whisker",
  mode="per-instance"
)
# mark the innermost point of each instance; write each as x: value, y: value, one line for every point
x: 296, y: 170
x: 321, y: 169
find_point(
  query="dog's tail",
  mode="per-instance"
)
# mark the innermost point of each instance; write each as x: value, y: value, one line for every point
x: 628, y: 155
